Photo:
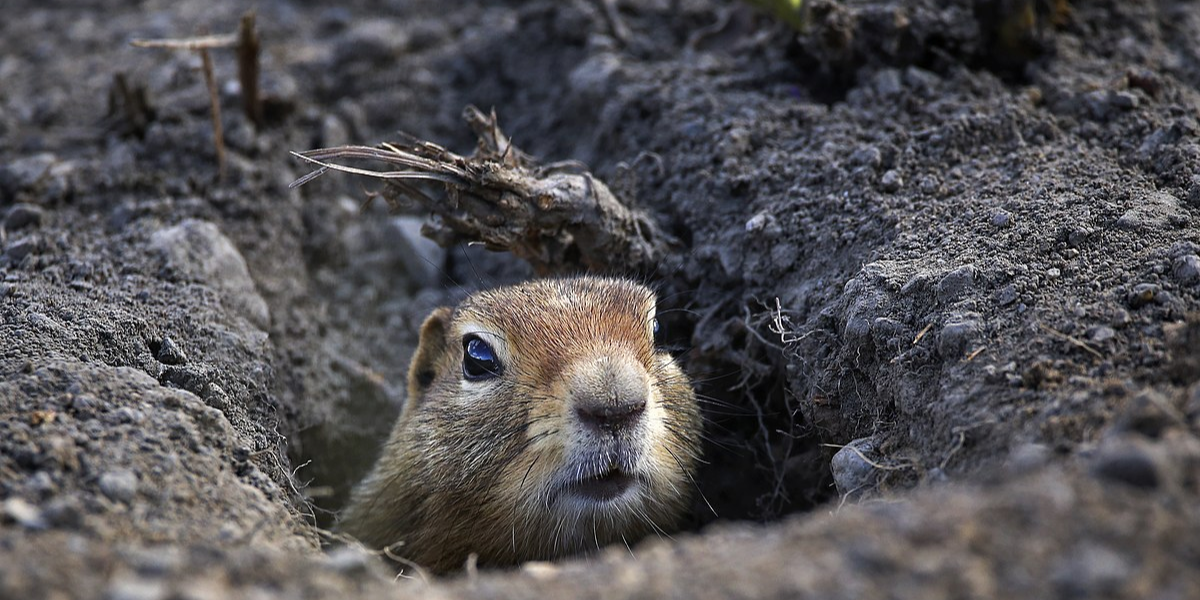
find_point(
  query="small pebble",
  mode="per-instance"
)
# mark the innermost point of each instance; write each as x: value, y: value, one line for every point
x: 1028, y: 457
x: 955, y: 283
x: 887, y: 82
x: 119, y: 485
x: 758, y: 222
x: 1127, y: 464
x: 25, y: 173
x: 1124, y: 100
x: 23, y: 215
x: 957, y: 335
x: 891, y: 181
x: 1102, y: 334
x: 852, y: 473
x: 169, y: 353
x: 1006, y: 295
x: 127, y: 414
x: 19, y: 249
x: 1187, y: 269
x: 64, y: 511
x: 867, y: 156
x: 127, y: 587
x: 23, y: 513
x: 1143, y: 294
x: 1091, y: 571
x: 1001, y: 218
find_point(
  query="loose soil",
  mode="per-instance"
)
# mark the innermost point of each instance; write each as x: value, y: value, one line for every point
x: 941, y: 293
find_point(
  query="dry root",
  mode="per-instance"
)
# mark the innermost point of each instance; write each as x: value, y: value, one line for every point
x: 557, y: 217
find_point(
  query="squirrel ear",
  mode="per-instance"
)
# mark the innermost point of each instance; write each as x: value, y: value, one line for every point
x: 431, y: 347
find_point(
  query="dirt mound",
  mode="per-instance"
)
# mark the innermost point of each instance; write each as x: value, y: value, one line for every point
x: 939, y: 291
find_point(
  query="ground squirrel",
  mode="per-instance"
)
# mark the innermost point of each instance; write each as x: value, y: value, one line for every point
x: 542, y: 420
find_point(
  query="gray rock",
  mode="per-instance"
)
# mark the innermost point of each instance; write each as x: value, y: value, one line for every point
x: 1103, y: 104
x: 1028, y: 457
x: 22, y: 513
x: 63, y: 511
x: 957, y: 334
x: 866, y: 156
x: 1102, y: 333
x: 1143, y: 294
x: 371, y: 41
x: 1006, y: 295
x: 169, y: 353
x: 128, y: 587
x: 1092, y: 571
x: 198, y: 250
x: 887, y: 82
x: 1156, y: 211
x: 1187, y: 269
x: 853, y: 473
x: 120, y: 485
x: 891, y: 181
x: 23, y: 215
x: 763, y: 221
x: 25, y: 173
x: 956, y: 283
x: 17, y: 250
x: 1127, y: 463
x: 596, y: 76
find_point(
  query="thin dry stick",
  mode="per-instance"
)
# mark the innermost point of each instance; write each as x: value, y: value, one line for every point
x: 201, y: 45
x: 1072, y: 339
x: 203, y: 42
x: 247, y: 51
x: 214, y: 102
x: 921, y: 335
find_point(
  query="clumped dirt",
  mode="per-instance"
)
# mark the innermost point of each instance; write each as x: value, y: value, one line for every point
x: 942, y: 294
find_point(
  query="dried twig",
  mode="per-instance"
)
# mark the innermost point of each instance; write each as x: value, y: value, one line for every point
x: 921, y: 334
x: 247, y: 53
x: 214, y: 101
x: 247, y: 44
x: 203, y: 42
x: 557, y: 221
x: 1072, y: 339
x: 129, y: 107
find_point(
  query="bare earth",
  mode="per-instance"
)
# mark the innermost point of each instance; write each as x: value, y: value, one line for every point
x: 979, y: 269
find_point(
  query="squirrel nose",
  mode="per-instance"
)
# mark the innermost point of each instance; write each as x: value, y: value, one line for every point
x: 609, y: 394
x: 610, y: 414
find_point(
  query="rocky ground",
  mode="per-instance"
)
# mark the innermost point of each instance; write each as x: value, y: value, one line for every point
x: 942, y: 291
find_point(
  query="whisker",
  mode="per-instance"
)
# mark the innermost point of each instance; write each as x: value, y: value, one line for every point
x: 693, y: 480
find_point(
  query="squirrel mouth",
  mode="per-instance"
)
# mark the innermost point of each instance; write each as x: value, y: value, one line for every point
x: 604, y: 487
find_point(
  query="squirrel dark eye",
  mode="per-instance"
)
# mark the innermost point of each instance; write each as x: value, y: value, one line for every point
x: 479, y: 359
x: 658, y: 332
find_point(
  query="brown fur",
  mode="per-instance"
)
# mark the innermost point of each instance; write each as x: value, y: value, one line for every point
x: 478, y: 468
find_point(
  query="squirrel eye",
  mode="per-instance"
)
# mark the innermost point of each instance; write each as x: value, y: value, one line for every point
x: 479, y: 359
x: 657, y: 330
